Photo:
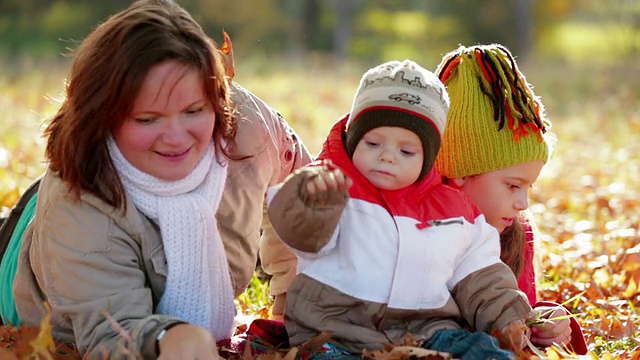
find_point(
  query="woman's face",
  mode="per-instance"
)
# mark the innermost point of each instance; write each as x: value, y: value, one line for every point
x: 502, y: 194
x: 171, y: 124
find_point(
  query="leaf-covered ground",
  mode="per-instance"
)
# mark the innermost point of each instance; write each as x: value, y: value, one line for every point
x: 586, y: 203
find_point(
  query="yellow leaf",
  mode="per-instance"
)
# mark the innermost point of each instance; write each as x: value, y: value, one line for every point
x: 552, y: 354
x: 43, y: 344
x: 631, y: 289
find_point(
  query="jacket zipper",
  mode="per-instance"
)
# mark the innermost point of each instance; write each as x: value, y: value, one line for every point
x: 445, y: 222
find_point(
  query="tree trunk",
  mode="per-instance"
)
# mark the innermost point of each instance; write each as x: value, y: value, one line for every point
x: 343, y: 29
x: 523, y: 28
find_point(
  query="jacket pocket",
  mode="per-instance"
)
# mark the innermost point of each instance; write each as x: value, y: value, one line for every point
x: 159, y: 261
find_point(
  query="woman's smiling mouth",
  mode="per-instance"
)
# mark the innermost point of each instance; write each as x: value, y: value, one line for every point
x: 174, y: 156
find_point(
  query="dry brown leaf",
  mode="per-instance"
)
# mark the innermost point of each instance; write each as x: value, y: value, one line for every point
x: 314, y: 343
x: 421, y: 353
x: 632, y: 287
x: 226, y: 50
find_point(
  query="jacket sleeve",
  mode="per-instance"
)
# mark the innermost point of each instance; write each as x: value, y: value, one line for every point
x: 286, y: 152
x: 527, y: 279
x: 91, y: 274
x: 306, y: 224
x: 527, y: 283
x: 483, y: 286
x: 266, y: 150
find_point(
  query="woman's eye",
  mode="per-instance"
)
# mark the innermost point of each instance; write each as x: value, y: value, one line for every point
x: 145, y: 121
x: 514, y: 186
x: 193, y: 111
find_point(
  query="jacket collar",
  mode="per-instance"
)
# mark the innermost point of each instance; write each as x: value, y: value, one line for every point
x: 333, y: 149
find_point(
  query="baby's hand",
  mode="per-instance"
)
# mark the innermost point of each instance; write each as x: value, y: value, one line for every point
x: 516, y: 334
x: 550, y: 330
x: 327, y: 180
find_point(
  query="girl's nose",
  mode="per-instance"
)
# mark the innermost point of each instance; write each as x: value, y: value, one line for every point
x: 522, y: 201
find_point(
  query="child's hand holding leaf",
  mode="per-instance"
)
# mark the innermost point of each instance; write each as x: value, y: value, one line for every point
x: 328, y: 180
x: 552, y: 327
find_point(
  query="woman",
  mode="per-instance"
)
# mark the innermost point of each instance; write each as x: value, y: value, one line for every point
x: 148, y: 217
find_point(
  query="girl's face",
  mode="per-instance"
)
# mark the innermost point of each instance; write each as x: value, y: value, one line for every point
x: 389, y: 157
x: 502, y: 194
x: 171, y: 124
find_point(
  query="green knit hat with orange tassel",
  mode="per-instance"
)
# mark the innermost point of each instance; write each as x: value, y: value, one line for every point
x: 495, y: 120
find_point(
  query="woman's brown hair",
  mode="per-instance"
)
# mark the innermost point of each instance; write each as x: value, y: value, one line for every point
x: 106, y: 75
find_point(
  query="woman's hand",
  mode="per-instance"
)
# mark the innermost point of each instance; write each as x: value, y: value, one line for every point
x: 550, y: 330
x: 188, y: 342
x: 278, y: 317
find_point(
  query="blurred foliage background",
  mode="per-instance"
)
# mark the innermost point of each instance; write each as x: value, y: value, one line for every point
x: 605, y: 31
x: 305, y: 58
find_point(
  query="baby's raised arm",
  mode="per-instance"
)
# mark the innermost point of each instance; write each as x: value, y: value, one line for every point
x: 307, y: 207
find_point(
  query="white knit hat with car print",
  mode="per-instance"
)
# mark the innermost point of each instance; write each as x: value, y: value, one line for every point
x: 402, y: 94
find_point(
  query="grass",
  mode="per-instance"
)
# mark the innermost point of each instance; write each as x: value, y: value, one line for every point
x: 585, y: 203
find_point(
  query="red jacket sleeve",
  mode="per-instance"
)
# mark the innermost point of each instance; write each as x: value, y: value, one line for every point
x: 527, y: 283
x: 527, y: 278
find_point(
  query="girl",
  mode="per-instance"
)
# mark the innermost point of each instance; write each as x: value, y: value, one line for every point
x: 494, y: 147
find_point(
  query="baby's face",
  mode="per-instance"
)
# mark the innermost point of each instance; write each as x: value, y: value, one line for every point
x: 389, y: 157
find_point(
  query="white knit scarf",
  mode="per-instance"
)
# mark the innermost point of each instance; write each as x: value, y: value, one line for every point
x: 198, y: 288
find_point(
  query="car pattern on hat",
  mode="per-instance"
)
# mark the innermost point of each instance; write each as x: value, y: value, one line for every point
x: 410, y: 98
